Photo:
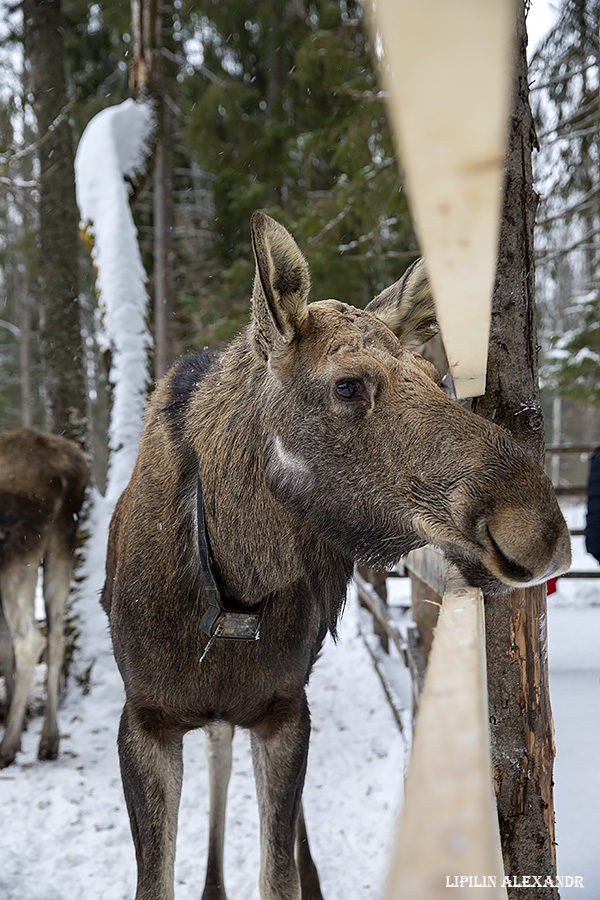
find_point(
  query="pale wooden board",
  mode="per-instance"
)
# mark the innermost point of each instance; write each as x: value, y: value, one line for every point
x: 431, y: 566
x: 449, y: 825
x: 447, y: 69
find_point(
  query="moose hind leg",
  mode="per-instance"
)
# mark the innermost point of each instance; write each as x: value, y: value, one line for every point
x: 58, y: 568
x: 309, y: 877
x: 6, y: 657
x: 279, y: 755
x: 17, y: 587
x: 152, y: 773
x: 219, y: 738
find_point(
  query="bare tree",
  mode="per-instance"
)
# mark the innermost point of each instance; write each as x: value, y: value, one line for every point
x: 147, y: 80
x: 60, y: 331
x: 519, y: 702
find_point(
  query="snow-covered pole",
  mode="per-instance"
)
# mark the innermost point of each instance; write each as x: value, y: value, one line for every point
x: 112, y: 154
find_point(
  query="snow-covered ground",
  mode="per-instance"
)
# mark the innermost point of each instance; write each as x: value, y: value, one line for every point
x: 574, y: 660
x: 65, y: 831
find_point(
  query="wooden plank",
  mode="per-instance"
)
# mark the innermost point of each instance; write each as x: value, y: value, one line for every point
x: 581, y: 574
x: 431, y: 566
x: 579, y: 449
x: 449, y: 825
x: 447, y: 68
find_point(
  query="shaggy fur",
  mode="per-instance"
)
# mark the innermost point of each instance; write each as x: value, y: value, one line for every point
x: 320, y: 442
x: 42, y: 482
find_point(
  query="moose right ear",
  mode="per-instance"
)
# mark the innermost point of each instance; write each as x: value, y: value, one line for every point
x: 281, y: 286
x: 407, y: 307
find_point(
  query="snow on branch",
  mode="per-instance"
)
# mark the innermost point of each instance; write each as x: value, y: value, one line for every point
x: 112, y: 152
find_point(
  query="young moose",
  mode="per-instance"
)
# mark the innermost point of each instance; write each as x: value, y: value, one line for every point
x: 42, y: 483
x: 315, y: 441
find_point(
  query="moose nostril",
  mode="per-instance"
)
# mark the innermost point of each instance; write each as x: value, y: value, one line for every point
x: 510, y: 568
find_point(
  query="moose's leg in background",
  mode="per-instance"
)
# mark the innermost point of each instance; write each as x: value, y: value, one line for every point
x: 58, y: 568
x: 152, y: 773
x: 219, y: 737
x: 17, y: 588
x: 279, y: 753
x: 309, y: 877
x: 6, y: 657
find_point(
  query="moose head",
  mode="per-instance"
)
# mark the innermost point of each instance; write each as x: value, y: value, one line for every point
x: 369, y: 449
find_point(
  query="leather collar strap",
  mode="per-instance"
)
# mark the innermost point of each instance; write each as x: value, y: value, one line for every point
x: 219, y: 620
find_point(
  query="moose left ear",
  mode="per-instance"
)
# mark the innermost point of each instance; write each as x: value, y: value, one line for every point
x: 407, y: 307
x: 281, y: 286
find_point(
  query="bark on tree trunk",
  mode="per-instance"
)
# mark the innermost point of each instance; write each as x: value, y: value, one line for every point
x: 147, y: 82
x: 163, y: 301
x: 60, y: 329
x: 519, y: 703
x: 24, y: 350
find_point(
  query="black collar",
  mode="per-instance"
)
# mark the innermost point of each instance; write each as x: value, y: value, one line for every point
x: 220, y: 620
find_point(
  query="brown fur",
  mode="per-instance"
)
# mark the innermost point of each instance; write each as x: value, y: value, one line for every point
x: 42, y: 482
x: 299, y: 484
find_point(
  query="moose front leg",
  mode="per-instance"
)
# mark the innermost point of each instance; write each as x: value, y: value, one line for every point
x: 152, y: 772
x: 279, y: 755
x: 309, y: 877
x: 219, y: 737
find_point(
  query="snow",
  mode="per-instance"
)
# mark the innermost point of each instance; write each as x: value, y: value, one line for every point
x: 574, y: 660
x: 68, y: 818
x: 112, y: 150
x: 67, y: 831
x: 541, y: 18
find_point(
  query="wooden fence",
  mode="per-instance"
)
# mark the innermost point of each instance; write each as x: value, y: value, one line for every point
x: 573, y: 492
x: 449, y: 824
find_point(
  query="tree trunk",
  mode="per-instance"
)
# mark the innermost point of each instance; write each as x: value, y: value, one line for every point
x: 147, y: 81
x: 60, y: 331
x: 163, y: 300
x: 519, y: 703
x: 24, y: 349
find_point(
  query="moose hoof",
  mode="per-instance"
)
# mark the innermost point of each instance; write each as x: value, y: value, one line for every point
x: 312, y: 891
x: 48, y: 749
x: 214, y: 892
x: 6, y: 758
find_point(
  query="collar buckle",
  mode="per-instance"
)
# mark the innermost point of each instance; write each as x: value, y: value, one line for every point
x: 218, y: 620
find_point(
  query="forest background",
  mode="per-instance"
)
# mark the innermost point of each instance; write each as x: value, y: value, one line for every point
x: 263, y: 105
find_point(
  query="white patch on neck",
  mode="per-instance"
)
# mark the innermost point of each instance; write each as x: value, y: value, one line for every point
x: 291, y: 462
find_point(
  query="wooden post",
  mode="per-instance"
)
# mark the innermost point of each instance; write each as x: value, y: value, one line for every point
x: 519, y: 704
x: 449, y: 827
x: 447, y: 70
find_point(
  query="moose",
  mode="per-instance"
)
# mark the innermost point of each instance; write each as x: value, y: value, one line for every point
x: 43, y: 478
x: 316, y: 440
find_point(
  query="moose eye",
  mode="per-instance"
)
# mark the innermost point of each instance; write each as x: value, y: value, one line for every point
x: 348, y: 389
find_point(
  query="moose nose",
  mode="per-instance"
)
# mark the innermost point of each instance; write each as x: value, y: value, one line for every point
x: 527, y: 547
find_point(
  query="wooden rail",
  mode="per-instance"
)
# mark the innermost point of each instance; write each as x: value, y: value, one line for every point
x: 449, y: 824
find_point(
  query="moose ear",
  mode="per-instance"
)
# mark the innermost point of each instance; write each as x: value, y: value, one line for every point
x: 281, y: 286
x: 407, y: 307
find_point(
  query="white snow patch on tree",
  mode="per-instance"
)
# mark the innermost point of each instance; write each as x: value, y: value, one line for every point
x: 115, y: 147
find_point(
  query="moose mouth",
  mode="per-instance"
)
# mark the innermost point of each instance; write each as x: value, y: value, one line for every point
x: 507, y: 574
x: 477, y: 574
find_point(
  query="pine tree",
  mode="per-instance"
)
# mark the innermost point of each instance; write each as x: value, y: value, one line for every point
x: 283, y: 112
x: 60, y: 321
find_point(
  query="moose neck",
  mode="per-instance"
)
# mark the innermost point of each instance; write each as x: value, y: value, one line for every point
x: 252, y: 536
